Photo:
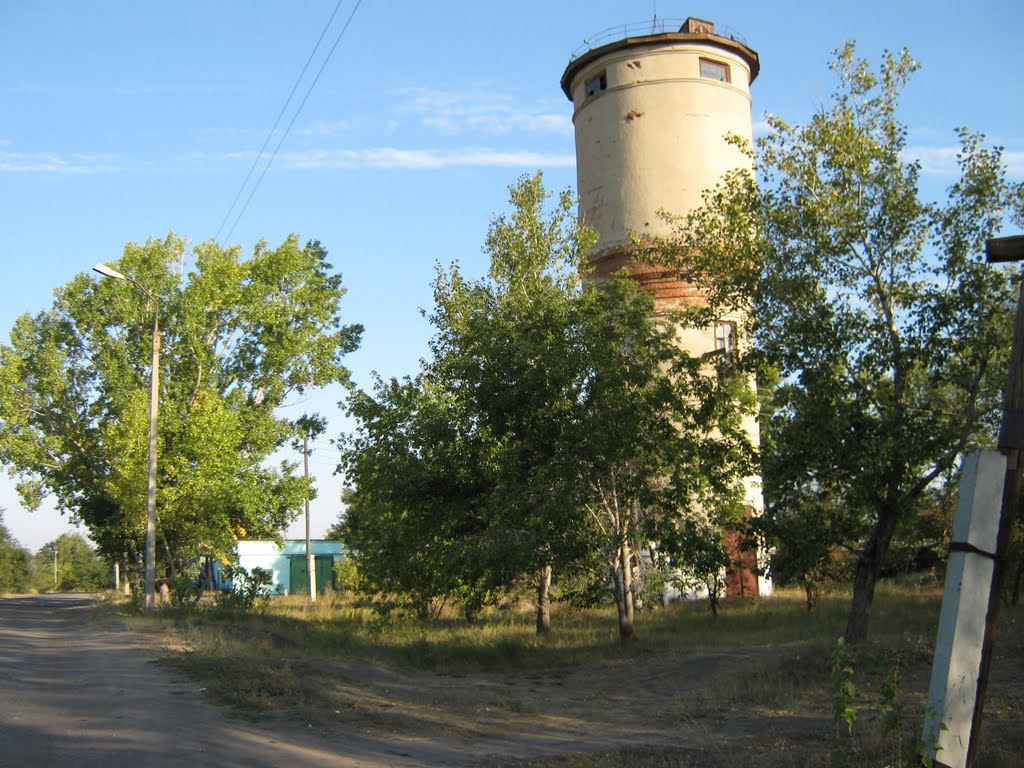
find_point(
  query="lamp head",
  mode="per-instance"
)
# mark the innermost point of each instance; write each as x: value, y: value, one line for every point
x: 103, y: 269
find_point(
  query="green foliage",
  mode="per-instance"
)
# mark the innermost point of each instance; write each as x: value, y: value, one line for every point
x: 556, y: 423
x: 346, y: 576
x: 250, y: 590
x: 239, y: 336
x: 887, y: 740
x: 15, y: 571
x: 844, y: 710
x: 872, y: 310
x: 79, y: 568
x: 456, y: 491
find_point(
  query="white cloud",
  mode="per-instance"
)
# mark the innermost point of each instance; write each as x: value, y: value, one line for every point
x: 391, y: 158
x: 49, y: 162
x: 942, y: 161
x: 484, y: 111
x: 322, y: 128
x: 1014, y: 163
x: 761, y: 127
x: 936, y: 161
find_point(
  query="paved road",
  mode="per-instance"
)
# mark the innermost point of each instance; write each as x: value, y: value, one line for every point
x: 78, y: 693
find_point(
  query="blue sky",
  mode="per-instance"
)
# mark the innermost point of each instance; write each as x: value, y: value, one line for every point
x: 125, y: 120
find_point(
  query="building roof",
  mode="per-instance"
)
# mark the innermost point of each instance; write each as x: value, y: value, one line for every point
x: 692, y: 31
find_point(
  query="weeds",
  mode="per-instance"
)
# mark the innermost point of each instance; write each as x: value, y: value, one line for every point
x: 886, y: 739
x: 844, y: 711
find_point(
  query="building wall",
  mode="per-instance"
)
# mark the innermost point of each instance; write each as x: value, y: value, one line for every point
x: 655, y: 137
x: 277, y: 559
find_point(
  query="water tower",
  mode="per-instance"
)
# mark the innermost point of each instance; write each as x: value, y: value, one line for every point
x: 652, y: 111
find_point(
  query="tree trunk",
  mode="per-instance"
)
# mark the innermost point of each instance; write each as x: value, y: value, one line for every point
x: 127, y: 584
x: 812, y: 591
x: 624, y: 592
x: 172, y: 568
x: 544, y: 600
x: 869, y: 566
x: 137, y: 557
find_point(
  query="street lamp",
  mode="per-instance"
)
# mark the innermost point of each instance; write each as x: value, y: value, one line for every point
x: 154, y: 402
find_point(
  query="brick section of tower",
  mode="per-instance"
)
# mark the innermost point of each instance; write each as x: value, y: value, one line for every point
x: 667, y: 289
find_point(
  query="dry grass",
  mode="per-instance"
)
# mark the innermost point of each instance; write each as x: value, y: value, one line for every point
x: 752, y: 687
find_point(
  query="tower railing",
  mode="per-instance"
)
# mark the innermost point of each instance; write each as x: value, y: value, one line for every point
x: 653, y: 26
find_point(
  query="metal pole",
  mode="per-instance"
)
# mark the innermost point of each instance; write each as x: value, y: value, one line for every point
x: 154, y: 403
x: 310, y: 559
x: 149, y: 577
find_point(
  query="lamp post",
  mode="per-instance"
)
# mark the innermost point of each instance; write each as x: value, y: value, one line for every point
x: 154, y: 402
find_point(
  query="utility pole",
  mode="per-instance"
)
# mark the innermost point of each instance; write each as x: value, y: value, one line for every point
x: 981, y: 549
x: 309, y: 426
x: 310, y: 559
x: 1011, y: 444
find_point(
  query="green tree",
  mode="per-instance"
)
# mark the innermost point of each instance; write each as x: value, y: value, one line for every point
x: 239, y: 337
x: 556, y: 423
x: 475, y: 438
x: 69, y: 564
x: 416, y: 517
x: 886, y: 331
x: 15, y: 562
x: 658, y: 444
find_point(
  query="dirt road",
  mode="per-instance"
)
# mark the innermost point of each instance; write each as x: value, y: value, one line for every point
x: 78, y: 693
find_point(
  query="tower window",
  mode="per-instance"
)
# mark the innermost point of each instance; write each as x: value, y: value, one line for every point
x: 595, y: 85
x: 725, y: 337
x: 715, y: 70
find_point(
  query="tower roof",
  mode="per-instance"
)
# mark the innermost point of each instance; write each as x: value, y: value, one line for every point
x: 693, y: 30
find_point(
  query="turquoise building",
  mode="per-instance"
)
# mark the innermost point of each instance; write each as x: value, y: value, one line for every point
x: 287, y: 562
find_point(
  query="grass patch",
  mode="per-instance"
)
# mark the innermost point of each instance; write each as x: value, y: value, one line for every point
x: 769, y: 660
x: 252, y: 687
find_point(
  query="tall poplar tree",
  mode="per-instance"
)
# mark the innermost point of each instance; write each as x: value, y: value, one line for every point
x: 239, y: 337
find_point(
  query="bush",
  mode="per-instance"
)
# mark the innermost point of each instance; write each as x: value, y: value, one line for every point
x: 249, y: 590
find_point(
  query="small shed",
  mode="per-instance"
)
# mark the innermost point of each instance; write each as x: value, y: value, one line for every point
x: 287, y: 562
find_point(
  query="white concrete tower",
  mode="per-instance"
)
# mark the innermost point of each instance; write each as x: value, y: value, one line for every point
x: 652, y: 112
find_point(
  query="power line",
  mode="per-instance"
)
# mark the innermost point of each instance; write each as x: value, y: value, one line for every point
x: 280, y: 114
x: 291, y: 123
